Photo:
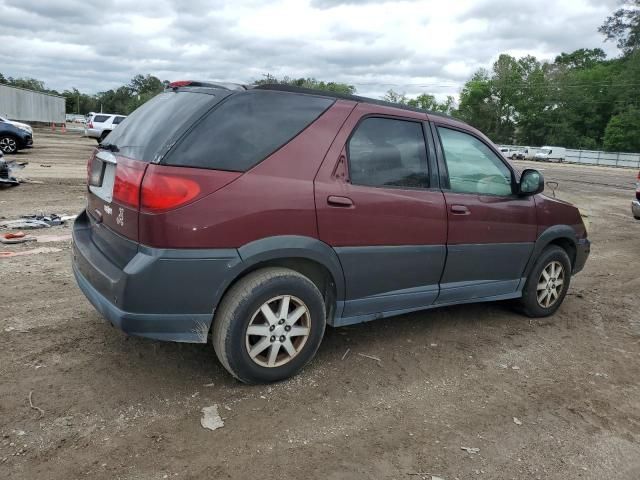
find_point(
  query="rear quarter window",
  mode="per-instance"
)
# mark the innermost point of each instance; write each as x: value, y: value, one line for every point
x: 246, y: 128
x: 100, y: 118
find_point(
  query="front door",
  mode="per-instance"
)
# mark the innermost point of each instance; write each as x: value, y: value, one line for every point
x: 491, y: 231
x: 378, y: 209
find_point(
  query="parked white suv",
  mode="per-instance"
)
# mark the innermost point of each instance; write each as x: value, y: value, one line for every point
x: 100, y: 124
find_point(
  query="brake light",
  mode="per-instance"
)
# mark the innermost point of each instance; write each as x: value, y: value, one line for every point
x: 180, y: 83
x: 126, y: 188
x: 90, y: 124
x: 161, y: 192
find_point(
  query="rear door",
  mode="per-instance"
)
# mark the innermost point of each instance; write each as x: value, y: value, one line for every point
x: 379, y: 206
x: 491, y: 231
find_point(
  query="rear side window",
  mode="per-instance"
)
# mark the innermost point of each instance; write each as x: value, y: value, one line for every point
x: 150, y: 130
x: 100, y: 118
x: 247, y: 128
x: 117, y: 120
x: 385, y: 152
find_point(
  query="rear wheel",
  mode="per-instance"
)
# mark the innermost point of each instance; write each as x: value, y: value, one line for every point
x: 269, y: 325
x: 8, y: 144
x: 547, y: 283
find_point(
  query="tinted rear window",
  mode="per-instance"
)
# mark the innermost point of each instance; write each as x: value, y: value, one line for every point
x: 117, y: 120
x: 246, y: 128
x: 148, y: 132
x: 100, y: 118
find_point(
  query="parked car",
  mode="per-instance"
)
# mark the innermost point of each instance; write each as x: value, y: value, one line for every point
x: 635, y: 204
x: 551, y: 153
x: 100, y: 125
x: 510, y: 153
x: 20, y: 125
x: 526, y: 153
x: 258, y: 217
x: 14, y: 138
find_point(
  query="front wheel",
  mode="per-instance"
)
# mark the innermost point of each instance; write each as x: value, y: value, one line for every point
x: 547, y: 283
x: 269, y: 325
x: 8, y: 144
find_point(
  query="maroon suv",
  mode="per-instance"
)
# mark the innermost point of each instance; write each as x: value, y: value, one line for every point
x: 261, y: 215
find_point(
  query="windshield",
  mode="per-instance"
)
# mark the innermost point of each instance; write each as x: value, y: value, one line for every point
x: 149, y: 130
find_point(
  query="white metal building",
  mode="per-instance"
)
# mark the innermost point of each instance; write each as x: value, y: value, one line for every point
x: 25, y: 105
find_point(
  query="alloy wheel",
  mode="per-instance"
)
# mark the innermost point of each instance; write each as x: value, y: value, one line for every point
x: 8, y: 145
x: 550, y: 284
x: 278, y: 331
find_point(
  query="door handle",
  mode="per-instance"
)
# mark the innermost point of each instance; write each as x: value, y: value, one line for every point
x: 336, y: 201
x: 460, y: 210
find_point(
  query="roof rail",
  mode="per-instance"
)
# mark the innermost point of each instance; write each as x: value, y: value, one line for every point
x: 344, y: 96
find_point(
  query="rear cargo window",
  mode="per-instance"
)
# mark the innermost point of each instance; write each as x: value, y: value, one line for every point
x: 100, y: 118
x: 117, y: 120
x: 151, y: 129
x: 246, y: 128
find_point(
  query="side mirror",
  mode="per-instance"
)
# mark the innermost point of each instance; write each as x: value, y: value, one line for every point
x: 531, y: 182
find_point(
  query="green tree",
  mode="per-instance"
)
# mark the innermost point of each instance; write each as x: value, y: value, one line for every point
x: 623, y: 131
x: 624, y: 26
x: 312, y: 83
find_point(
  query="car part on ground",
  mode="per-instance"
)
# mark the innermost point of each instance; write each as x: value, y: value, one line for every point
x: 276, y: 210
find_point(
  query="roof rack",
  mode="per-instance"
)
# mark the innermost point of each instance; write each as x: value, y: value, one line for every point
x: 356, y: 98
x: 196, y: 83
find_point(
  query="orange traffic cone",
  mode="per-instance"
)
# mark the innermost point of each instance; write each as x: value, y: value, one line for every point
x: 63, y: 129
x: 53, y: 127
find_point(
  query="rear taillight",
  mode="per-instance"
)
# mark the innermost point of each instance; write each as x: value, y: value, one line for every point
x: 162, y: 192
x: 90, y: 125
x: 638, y: 188
x: 126, y: 188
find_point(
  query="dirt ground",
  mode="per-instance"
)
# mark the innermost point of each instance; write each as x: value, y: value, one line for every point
x: 557, y: 398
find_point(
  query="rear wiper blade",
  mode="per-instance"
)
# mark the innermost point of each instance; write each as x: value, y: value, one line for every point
x: 109, y: 146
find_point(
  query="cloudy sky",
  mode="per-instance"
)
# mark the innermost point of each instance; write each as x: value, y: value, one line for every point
x: 410, y: 46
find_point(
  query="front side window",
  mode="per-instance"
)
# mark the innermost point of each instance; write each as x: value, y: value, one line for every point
x: 472, y: 165
x: 385, y: 152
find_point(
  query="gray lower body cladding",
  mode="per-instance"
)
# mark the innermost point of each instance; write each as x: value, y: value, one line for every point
x: 155, y: 293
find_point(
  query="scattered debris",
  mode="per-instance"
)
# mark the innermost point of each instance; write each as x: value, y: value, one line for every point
x: 37, y: 221
x: 209, y: 385
x: 471, y: 449
x: 425, y: 475
x: 517, y: 421
x: 211, y: 418
x: 6, y: 171
x: 18, y: 237
x: 515, y: 367
x: 46, y: 165
x: 33, y: 406
x: 346, y: 353
x: 34, y: 251
x: 371, y: 357
x: 434, y: 344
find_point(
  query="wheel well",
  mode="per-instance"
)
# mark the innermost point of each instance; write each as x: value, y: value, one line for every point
x: 311, y: 269
x: 568, y: 247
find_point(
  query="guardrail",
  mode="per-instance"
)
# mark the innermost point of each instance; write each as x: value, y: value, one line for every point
x: 596, y: 157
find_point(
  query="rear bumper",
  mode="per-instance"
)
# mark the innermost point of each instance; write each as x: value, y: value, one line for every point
x: 583, y: 248
x: 161, y: 294
x: 92, y: 132
x: 635, y: 208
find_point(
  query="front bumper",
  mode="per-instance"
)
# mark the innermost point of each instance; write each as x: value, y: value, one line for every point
x: 583, y: 248
x: 635, y: 209
x: 156, y: 293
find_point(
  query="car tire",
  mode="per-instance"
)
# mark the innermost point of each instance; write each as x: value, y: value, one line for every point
x: 542, y: 295
x: 278, y: 306
x: 8, y: 144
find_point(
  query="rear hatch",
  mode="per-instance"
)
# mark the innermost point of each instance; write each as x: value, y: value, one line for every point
x: 116, y: 169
